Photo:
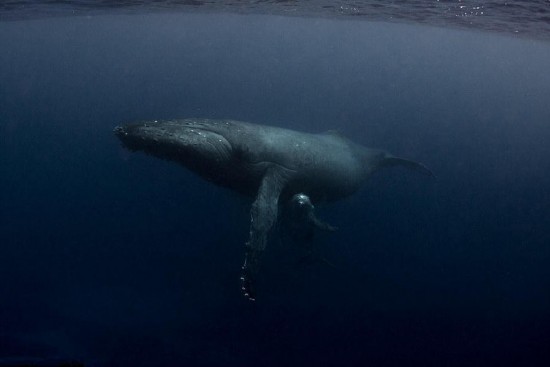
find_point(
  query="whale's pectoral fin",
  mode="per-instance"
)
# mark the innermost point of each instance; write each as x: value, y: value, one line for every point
x: 263, y: 216
x: 416, y: 166
x: 319, y: 224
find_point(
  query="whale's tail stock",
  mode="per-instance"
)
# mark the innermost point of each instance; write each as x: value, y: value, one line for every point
x: 391, y: 161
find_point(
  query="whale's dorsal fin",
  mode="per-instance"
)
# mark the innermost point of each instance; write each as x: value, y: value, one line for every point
x: 263, y: 216
x: 335, y: 134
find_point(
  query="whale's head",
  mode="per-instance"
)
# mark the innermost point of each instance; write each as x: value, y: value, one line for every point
x: 175, y: 140
x: 207, y: 148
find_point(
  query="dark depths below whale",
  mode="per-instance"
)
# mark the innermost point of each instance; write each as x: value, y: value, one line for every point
x: 270, y: 164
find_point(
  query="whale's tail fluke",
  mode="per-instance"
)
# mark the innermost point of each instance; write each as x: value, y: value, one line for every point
x: 416, y: 166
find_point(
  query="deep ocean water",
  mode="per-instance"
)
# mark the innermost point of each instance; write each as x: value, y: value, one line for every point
x: 114, y: 258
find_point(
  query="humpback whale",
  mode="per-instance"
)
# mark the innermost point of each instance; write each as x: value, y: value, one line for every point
x: 270, y: 164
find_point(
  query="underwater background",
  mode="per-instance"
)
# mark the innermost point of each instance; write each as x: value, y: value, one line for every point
x: 112, y: 258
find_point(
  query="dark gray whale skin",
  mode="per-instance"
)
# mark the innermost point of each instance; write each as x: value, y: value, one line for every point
x: 267, y: 163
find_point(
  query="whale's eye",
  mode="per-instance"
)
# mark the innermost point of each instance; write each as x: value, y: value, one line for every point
x: 239, y: 153
x: 243, y: 153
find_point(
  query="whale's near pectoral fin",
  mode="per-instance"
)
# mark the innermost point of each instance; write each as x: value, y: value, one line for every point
x: 416, y: 166
x: 263, y: 216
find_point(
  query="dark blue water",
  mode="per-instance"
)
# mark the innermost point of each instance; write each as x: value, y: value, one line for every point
x: 118, y: 259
